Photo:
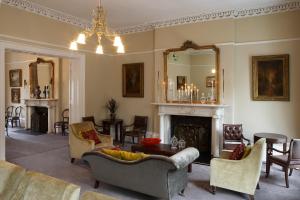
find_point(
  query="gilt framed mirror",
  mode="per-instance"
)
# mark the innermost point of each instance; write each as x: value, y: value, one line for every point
x: 41, y: 73
x: 191, y: 74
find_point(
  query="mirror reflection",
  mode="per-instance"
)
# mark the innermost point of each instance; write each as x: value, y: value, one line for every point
x: 41, y: 79
x: 192, y: 74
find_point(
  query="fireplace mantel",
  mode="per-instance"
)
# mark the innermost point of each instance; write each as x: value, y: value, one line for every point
x: 51, y: 104
x: 215, y: 111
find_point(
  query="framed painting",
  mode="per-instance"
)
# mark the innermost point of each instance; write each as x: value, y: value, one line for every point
x: 133, y: 80
x: 15, y: 78
x: 181, y: 81
x: 270, y: 78
x: 210, y: 81
x: 15, y: 95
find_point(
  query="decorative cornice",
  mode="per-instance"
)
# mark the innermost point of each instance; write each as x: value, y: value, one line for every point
x: 226, y: 14
x: 46, y: 12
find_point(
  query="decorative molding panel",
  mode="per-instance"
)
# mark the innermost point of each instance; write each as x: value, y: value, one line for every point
x: 226, y: 14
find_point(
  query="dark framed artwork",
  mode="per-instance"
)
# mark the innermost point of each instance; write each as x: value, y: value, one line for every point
x: 270, y: 78
x: 15, y: 78
x: 181, y: 81
x: 210, y: 81
x: 133, y: 80
x: 16, y: 95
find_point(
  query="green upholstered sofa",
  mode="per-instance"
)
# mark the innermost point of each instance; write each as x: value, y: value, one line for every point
x: 155, y: 175
x: 238, y: 175
x: 18, y: 184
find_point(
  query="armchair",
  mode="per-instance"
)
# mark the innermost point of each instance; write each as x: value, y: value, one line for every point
x: 98, y: 127
x: 233, y: 136
x: 137, y: 129
x: 238, y: 175
x: 78, y: 145
x: 289, y: 160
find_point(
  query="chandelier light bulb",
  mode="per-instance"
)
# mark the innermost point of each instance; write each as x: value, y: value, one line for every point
x: 121, y: 49
x: 99, y: 49
x: 213, y: 71
x: 73, y: 46
x: 81, y: 38
x: 117, y: 41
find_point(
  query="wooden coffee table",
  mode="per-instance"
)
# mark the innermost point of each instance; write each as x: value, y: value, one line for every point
x: 159, y: 149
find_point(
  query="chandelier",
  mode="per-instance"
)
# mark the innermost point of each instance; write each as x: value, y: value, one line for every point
x: 101, y: 31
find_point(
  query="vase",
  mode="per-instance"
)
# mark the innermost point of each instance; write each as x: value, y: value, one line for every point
x: 112, y: 116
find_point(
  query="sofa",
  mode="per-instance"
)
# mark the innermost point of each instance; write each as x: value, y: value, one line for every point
x: 154, y: 175
x: 16, y: 183
x: 78, y: 145
x: 238, y: 175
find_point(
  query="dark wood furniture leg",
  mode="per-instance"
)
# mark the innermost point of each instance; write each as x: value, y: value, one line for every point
x: 257, y: 186
x: 291, y: 171
x: 213, y: 189
x: 189, y: 168
x: 72, y: 160
x: 251, y: 197
x: 286, y: 175
x: 96, y: 184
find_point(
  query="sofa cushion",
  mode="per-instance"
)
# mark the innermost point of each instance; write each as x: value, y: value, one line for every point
x: 237, y: 153
x: 91, y: 135
x: 124, y: 155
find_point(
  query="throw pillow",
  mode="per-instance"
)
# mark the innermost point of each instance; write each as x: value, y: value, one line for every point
x: 91, y: 135
x: 237, y: 153
x: 247, y: 151
x: 124, y: 155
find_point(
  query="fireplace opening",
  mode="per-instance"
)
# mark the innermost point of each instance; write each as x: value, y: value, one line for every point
x: 39, y: 119
x: 196, y: 132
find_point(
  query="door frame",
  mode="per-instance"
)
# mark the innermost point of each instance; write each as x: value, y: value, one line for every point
x: 77, y: 80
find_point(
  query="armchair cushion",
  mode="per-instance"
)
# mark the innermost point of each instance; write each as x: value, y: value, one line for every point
x: 91, y: 135
x: 124, y: 155
x: 237, y: 153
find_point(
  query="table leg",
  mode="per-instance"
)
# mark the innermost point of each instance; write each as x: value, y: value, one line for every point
x: 268, y: 152
x: 189, y: 168
x: 116, y: 132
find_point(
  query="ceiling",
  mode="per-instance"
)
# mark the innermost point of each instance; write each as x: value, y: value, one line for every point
x: 127, y: 13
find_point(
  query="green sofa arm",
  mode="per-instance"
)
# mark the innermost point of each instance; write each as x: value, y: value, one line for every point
x: 185, y: 157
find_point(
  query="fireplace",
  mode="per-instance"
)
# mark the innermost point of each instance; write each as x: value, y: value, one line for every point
x: 39, y: 119
x: 196, y: 132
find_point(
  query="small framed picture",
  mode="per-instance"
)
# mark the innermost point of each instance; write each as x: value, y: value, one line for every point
x: 16, y: 95
x: 181, y: 81
x: 15, y: 78
x: 270, y: 78
x: 133, y: 80
x: 210, y: 81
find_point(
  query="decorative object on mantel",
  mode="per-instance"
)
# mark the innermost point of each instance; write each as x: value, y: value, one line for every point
x: 181, y: 144
x: 270, y: 78
x: 99, y: 29
x: 15, y: 95
x: 37, y: 92
x: 15, y: 78
x: 112, y: 107
x: 202, y: 63
x: 133, y: 80
x: 174, y: 142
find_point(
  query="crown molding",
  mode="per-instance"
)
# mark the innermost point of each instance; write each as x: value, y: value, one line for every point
x: 218, y: 15
x: 46, y: 12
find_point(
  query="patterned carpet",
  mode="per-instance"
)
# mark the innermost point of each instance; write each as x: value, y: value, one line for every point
x: 49, y: 154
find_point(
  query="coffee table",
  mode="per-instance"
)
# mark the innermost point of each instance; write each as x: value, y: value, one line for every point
x: 159, y: 149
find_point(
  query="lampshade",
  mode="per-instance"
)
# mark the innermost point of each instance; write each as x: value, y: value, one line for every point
x: 99, y: 49
x: 73, y: 46
x: 120, y: 49
x: 117, y: 41
x: 81, y: 38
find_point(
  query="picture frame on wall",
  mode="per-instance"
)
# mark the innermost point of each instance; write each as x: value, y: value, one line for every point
x: 15, y: 78
x: 181, y: 81
x: 16, y: 95
x: 133, y: 80
x: 270, y: 78
x: 210, y: 81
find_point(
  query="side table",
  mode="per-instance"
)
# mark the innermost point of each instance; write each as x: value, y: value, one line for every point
x: 118, y: 123
x: 271, y: 138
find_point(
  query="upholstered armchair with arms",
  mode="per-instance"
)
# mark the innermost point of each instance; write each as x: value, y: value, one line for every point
x: 79, y: 145
x: 238, y: 175
x: 233, y: 136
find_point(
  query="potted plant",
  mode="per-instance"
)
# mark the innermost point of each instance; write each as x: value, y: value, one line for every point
x: 112, y: 107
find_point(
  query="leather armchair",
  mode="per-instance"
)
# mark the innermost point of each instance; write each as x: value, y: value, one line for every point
x: 238, y: 175
x: 233, y: 136
x: 78, y: 145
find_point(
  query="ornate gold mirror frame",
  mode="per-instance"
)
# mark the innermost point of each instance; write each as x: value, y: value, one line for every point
x: 190, y: 45
x: 33, y: 67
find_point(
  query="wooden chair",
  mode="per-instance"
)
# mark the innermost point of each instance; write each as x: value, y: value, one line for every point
x: 137, y: 129
x: 16, y: 118
x: 98, y: 127
x: 233, y: 136
x: 9, y: 114
x: 288, y: 160
x: 64, y: 124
